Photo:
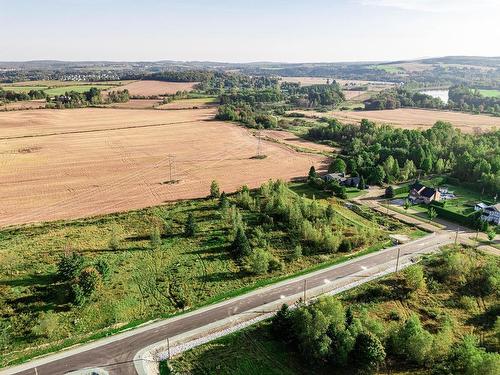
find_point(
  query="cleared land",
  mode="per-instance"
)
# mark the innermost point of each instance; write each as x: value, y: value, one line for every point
x: 409, y: 118
x: 151, y: 88
x: 306, y: 81
x: 83, y: 162
x: 295, y: 141
x: 352, y: 94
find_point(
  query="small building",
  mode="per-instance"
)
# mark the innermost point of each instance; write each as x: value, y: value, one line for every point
x: 339, y: 177
x: 491, y: 214
x: 480, y: 206
x: 342, y: 179
x: 423, y: 194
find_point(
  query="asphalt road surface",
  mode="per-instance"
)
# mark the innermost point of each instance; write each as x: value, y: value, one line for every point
x: 117, y: 357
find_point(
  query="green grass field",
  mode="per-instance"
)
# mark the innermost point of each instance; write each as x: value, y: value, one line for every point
x: 389, y: 68
x: 36, y: 315
x: 490, y: 93
x: 441, y: 301
x: 58, y: 90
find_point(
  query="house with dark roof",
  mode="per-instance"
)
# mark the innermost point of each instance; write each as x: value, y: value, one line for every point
x: 491, y: 214
x: 423, y: 194
x: 342, y: 179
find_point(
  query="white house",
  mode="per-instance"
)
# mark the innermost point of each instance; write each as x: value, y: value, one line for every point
x: 491, y: 214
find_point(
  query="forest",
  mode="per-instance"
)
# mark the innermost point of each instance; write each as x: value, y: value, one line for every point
x: 384, y: 154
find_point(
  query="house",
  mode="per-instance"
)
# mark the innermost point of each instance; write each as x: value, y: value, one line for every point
x: 491, y: 214
x: 423, y: 194
x: 480, y: 206
x: 342, y: 179
x: 339, y: 177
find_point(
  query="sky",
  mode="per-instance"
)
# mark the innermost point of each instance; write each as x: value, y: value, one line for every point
x: 246, y: 31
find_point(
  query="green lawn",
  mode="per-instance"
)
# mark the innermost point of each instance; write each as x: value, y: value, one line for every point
x: 32, y: 299
x: 490, y: 93
x: 465, y: 198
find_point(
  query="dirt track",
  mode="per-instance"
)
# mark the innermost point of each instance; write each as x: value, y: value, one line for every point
x: 106, y: 160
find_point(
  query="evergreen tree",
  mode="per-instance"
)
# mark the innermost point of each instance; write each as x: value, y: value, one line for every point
x: 190, y: 227
x: 241, y: 245
x: 214, y: 190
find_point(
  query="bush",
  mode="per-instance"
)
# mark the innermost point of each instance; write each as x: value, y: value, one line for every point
x: 368, y: 353
x: 103, y: 268
x: 257, y: 262
x: 389, y: 192
x: 190, y: 227
x: 414, y: 277
x: 47, y: 325
x: 70, y: 265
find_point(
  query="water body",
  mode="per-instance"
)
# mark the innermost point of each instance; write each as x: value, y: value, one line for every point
x: 441, y: 94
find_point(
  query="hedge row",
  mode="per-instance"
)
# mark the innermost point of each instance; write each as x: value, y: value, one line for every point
x: 470, y: 220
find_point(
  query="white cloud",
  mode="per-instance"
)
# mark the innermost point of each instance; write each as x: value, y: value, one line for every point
x: 436, y: 5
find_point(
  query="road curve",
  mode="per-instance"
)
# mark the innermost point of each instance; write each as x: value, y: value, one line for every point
x: 115, y: 354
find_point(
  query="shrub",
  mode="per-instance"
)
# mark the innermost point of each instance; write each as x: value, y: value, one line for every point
x: 114, y: 241
x: 240, y: 246
x: 214, y: 190
x: 368, y: 353
x: 70, y: 265
x: 103, y: 268
x: 414, y: 277
x: 257, y: 262
x: 190, y: 227
x: 47, y: 325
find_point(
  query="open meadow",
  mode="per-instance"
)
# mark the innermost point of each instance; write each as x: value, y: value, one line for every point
x: 68, y: 164
x: 409, y: 118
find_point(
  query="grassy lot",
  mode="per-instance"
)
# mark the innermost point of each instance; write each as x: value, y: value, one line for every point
x: 383, y: 306
x: 37, y: 315
x: 490, y: 93
x: 465, y: 198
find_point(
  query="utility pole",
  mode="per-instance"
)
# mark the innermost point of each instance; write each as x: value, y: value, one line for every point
x: 170, y: 164
x: 168, y: 348
x: 456, y: 234
x: 258, y: 143
x: 36, y: 371
x: 397, y: 259
x: 305, y: 288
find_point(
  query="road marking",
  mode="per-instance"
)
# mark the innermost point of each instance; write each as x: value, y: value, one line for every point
x: 282, y: 296
x: 326, y: 281
x: 364, y: 268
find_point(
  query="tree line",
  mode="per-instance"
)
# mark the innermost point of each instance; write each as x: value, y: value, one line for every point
x: 386, y: 154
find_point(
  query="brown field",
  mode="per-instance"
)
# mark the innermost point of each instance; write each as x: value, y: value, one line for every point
x: 107, y: 160
x: 353, y: 94
x: 151, y: 88
x: 409, y: 118
x: 189, y: 103
x: 28, y: 104
x: 136, y: 104
x: 292, y: 140
x: 306, y: 81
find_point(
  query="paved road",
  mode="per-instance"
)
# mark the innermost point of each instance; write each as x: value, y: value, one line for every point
x: 117, y: 356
